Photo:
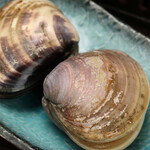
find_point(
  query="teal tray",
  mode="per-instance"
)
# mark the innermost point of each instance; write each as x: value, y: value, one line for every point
x: 23, y: 121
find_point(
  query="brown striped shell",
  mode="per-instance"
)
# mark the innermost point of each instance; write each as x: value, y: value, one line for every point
x: 98, y: 98
x: 34, y: 36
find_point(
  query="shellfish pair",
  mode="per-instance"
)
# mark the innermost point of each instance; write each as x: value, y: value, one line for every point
x: 98, y: 98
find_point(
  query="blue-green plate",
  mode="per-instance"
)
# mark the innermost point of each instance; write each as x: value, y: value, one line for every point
x: 23, y: 120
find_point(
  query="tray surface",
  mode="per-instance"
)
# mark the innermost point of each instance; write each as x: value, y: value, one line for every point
x: 25, y: 117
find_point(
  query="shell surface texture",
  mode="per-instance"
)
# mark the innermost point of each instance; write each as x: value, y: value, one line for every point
x: 98, y: 98
x: 35, y: 35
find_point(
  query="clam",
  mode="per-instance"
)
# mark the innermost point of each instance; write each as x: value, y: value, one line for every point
x: 98, y: 98
x: 35, y: 36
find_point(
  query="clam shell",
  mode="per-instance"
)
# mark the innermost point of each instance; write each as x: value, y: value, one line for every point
x: 35, y: 35
x: 98, y: 98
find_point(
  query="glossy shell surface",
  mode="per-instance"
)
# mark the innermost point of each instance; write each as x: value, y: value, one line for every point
x: 34, y: 37
x: 98, y: 98
x: 25, y: 114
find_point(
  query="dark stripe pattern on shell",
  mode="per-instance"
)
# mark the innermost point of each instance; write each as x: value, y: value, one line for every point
x: 35, y: 36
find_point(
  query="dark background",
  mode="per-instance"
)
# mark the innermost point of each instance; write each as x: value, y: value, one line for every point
x: 135, y: 13
x: 4, y: 145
